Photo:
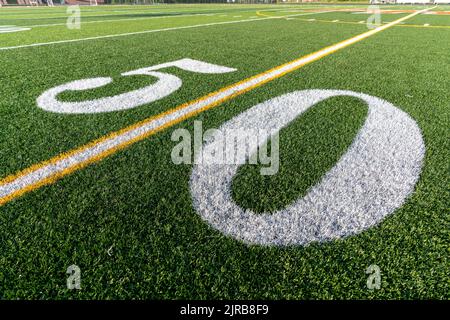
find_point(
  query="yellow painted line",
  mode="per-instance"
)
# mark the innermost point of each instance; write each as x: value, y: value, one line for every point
x: 258, y: 13
x: 51, y: 170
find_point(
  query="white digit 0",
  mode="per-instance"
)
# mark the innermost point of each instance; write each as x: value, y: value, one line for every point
x: 371, y: 180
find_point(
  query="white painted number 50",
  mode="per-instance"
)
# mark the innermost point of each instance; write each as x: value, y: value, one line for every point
x: 165, y: 85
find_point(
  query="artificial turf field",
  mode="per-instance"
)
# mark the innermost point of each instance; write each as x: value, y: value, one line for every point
x: 128, y: 218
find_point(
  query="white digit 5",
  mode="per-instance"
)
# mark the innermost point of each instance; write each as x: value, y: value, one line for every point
x: 165, y: 85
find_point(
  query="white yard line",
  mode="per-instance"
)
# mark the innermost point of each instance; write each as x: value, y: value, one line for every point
x: 118, y: 20
x: 170, y: 15
x: 39, y: 44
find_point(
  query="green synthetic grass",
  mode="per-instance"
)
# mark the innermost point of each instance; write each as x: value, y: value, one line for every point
x: 128, y: 221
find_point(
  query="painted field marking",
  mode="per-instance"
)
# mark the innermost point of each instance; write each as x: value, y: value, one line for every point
x: 173, y: 15
x: 117, y: 35
x: 9, y: 29
x: 420, y: 26
x: 401, y: 24
x: 89, y: 14
x: 259, y: 13
x: 166, y: 84
x: 347, y: 200
x: 49, y: 171
x: 57, y: 16
x: 119, y: 20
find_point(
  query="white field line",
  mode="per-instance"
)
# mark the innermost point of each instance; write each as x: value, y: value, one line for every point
x: 47, y: 172
x: 39, y: 44
x: 11, y: 29
x: 94, y: 13
x: 118, y: 20
x: 63, y: 15
x: 174, y: 15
